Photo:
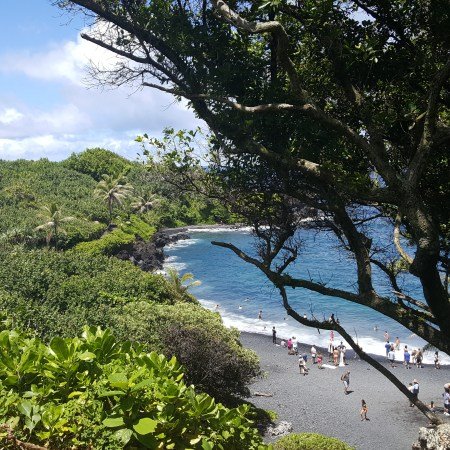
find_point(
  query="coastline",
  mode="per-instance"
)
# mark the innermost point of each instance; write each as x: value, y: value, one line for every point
x: 316, y: 402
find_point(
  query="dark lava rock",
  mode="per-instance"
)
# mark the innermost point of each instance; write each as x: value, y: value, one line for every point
x: 149, y: 255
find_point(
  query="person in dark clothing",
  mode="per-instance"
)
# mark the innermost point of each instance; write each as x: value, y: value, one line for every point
x: 274, y: 335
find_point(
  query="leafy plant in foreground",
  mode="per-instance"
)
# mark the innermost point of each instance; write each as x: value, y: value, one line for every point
x: 95, y: 392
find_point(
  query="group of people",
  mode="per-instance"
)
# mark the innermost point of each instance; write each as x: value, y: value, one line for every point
x: 413, y: 358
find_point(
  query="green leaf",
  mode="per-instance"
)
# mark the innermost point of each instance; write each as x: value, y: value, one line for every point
x: 145, y: 426
x: 124, y: 435
x: 142, y: 384
x: 25, y: 408
x: 86, y: 356
x: 118, y: 380
x: 59, y: 347
x: 112, y: 394
x: 114, y: 422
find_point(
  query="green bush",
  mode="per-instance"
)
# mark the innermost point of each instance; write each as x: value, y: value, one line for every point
x: 138, y: 227
x: 97, y: 162
x: 215, y: 360
x: 310, y: 441
x: 109, y: 244
x: 94, y: 393
x: 56, y: 293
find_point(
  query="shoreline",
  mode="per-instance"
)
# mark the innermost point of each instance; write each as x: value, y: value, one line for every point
x: 316, y: 402
x: 374, y: 346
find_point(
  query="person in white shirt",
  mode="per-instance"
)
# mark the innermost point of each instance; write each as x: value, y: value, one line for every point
x: 313, y: 354
x: 391, y: 357
x: 295, y: 344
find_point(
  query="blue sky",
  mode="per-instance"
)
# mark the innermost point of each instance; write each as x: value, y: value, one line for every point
x: 46, y: 110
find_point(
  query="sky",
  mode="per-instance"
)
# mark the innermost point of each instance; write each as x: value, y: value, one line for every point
x: 47, y: 109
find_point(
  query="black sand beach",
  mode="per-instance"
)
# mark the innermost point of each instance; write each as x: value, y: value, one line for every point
x: 316, y: 402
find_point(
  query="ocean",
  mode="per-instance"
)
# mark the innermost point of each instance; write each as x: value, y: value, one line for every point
x: 240, y: 290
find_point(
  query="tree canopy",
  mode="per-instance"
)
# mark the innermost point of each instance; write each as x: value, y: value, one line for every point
x: 341, y: 106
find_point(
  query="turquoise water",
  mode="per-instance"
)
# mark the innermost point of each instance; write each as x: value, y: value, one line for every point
x: 241, y: 290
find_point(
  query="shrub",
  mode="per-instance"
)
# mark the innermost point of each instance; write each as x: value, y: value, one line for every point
x: 138, y: 227
x: 97, y: 162
x: 95, y: 392
x: 310, y: 441
x: 215, y: 360
x: 109, y: 244
x: 56, y: 293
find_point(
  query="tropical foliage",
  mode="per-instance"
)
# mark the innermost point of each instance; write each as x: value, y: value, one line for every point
x: 310, y: 441
x: 94, y: 392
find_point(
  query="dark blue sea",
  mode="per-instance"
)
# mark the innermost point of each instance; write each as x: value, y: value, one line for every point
x: 240, y: 290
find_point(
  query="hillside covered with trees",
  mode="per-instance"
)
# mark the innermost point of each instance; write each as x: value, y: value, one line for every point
x: 61, y: 225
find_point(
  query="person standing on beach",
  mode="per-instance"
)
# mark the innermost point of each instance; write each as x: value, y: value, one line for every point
x: 446, y: 396
x: 414, y: 390
x: 274, y: 335
x: 386, y: 336
x: 364, y: 409
x: 295, y: 345
x: 345, y: 378
x: 302, y: 366
x: 407, y: 358
x: 397, y: 343
x: 319, y: 360
x: 437, y: 364
x: 335, y: 356
x: 313, y: 354
x: 391, y: 357
x: 387, y: 346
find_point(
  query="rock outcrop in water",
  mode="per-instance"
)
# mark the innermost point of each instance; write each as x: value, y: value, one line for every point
x: 149, y: 255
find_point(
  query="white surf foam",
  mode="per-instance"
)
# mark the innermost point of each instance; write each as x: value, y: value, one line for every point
x: 181, y: 244
x: 305, y: 335
x: 220, y: 229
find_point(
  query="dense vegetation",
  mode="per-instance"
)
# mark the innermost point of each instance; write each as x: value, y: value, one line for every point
x: 27, y: 187
x: 60, y: 225
x: 94, y: 392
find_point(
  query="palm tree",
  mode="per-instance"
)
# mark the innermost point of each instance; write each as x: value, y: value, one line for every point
x: 178, y: 283
x: 145, y: 203
x: 53, y: 220
x: 113, y: 190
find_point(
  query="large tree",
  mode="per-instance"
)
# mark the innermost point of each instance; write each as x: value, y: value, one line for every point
x: 342, y: 106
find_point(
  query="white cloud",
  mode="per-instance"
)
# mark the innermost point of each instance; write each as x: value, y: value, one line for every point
x: 10, y: 115
x: 84, y: 117
x: 58, y: 147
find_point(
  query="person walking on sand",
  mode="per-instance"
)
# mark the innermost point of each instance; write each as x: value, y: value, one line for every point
x: 274, y: 335
x: 345, y: 378
x: 364, y: 409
